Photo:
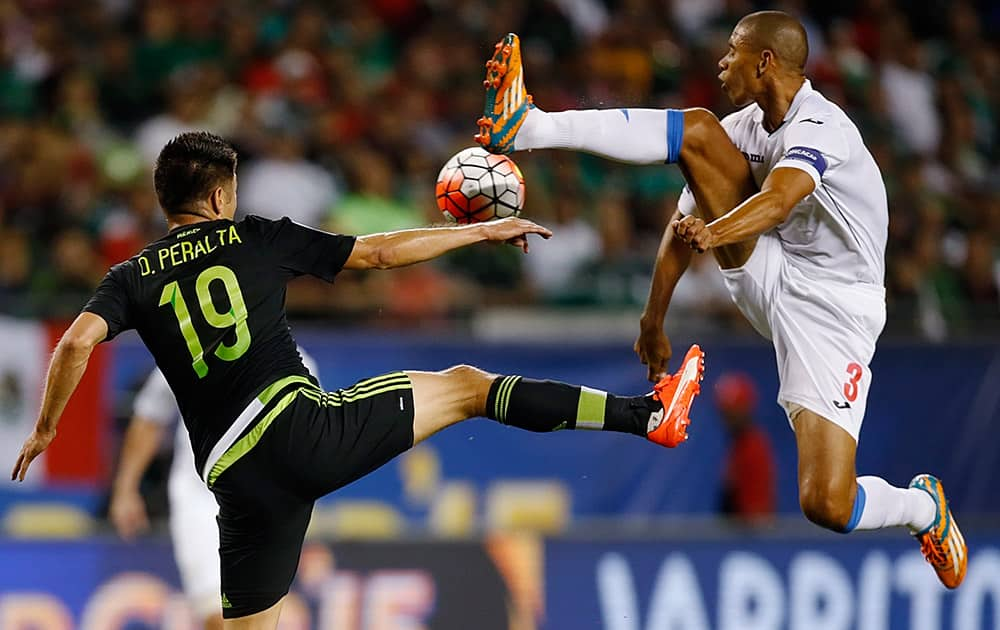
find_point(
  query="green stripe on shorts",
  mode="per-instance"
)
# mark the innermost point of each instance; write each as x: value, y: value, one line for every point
x: 374, y: 382
x: 360, y: 391
x: 242, y: 446
x: 272, y: 390
x: 374, y: 387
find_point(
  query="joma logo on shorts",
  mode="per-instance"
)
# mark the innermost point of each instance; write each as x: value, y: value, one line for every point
x: 753, y: 157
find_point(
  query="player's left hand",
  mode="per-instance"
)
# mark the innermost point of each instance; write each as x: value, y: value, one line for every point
x: 515, y: 231
x: 695, y: 233
x: 33, y: 447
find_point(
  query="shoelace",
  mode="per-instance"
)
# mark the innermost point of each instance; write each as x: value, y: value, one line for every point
x: 936, y: 555
x: 659, y: 387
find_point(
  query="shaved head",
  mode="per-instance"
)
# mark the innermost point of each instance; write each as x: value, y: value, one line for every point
x: 778, y: 32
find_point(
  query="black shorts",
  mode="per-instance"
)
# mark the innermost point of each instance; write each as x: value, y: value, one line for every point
x: 319, y: 442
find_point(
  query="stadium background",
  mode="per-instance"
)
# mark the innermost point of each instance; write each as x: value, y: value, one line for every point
x: 343, y: 112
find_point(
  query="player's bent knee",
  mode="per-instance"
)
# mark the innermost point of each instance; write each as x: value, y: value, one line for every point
x: 701, y: 129
x: 474, y: 381
x: 825, y: 506
x: 468, y: 373
x: 694, y: 116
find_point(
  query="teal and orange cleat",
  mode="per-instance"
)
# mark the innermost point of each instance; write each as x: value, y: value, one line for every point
x: 668, y: 426
x: 942, y: 543
x: 507, y: 102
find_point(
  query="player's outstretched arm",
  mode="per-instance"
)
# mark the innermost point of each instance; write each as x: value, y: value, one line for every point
x: 672, y: 259
x: 69, y: 361
x: 406, y: 247
x: 781, y: 191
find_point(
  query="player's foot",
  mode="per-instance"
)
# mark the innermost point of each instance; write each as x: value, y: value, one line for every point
x: 668, y: 426
x: 507, y: 102
x: 942, y: 543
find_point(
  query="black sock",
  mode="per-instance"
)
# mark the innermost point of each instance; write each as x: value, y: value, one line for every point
x: 544, y: 406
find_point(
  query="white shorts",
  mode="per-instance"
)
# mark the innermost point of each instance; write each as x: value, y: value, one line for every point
x: 824, y: 331
x: 195, y: 536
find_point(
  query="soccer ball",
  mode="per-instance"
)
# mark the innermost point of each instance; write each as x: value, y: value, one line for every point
x: 475, y: 185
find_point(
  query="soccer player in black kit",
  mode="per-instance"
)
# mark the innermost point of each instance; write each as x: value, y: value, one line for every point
x: 208, y: 298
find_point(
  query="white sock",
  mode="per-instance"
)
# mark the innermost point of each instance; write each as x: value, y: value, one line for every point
x: 888, y: 506
x: 634, y: 136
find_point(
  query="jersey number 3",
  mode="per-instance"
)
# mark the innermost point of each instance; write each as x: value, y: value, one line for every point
x: 237, y: 315
x: 855, y: 372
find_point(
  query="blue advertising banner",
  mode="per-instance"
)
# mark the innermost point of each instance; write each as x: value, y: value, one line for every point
x: 92, y: 585
x: 730, y: 582
x: 102, y: 584
x: 859, y: 582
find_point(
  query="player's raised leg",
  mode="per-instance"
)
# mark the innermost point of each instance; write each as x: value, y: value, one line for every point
x: 512, y: 122
x: 832, y: 497
x: 717, y: 173
x: 441, y: 399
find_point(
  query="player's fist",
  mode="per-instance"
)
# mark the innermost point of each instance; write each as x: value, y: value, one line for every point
x: 653, y: 348
x: 694, y: 232
x: 514, y: 230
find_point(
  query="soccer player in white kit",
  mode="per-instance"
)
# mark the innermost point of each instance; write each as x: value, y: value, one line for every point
x: 193, y: 530
x: 792, y: 204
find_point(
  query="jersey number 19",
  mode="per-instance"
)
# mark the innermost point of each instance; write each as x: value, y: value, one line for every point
x: 237, y: 315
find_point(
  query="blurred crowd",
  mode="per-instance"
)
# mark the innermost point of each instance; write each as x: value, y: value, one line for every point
x: 344, y: 111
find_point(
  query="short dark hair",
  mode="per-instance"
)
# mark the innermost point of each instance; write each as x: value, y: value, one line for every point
x: 781, y: 33
x: 190, y: 166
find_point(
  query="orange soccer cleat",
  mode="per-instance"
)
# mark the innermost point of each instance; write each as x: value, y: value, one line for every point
x: 507, y: 102
x: 942, y: 543
x: 668, y: 427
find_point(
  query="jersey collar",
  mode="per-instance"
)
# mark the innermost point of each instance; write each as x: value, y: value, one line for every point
x: 800, y: 97
x: 196, y: 224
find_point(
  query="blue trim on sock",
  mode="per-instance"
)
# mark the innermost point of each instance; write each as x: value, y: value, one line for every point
x: 859, y: 508
x: 675, y: 134
x: 624, y: 113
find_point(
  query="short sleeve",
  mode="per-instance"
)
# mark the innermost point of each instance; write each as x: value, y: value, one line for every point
x: 155, y: 401
x: 814, y: 145
x: 301, y: 250
x: 111, y: 302
x: 686, y: 204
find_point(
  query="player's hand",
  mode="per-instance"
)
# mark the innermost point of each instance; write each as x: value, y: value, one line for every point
x: 515, y: 231
x: 128, y: 513
x: 37, y: 442
x: 653, y: 348
x: 694, y: 232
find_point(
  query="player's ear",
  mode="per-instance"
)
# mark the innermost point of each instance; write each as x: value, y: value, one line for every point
x: 766, y: 59
x: 219, y: 198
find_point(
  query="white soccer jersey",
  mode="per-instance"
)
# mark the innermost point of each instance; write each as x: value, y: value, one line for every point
x: 839, y: 230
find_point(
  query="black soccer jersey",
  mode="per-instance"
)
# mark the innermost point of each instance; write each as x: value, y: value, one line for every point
x: 208, y: 300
